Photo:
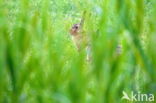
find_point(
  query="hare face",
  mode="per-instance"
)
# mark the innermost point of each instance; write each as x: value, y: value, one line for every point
x: 75, y: 29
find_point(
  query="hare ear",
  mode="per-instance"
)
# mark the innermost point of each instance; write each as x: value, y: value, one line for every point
x: 82, y: 19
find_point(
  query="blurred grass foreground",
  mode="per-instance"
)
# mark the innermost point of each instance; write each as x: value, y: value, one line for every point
x: 40, y: 64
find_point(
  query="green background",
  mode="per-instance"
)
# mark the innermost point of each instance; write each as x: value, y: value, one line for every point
x: 40, y: 64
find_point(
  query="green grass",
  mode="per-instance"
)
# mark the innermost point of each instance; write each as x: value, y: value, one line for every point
x: 40, y: 64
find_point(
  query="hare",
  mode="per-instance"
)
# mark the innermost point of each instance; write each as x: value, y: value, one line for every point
x: 82, y: 41
x: 77, y: 35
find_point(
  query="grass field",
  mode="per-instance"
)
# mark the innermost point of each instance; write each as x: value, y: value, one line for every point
x: 40, y: 64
